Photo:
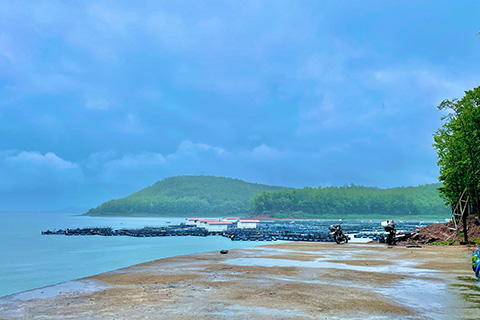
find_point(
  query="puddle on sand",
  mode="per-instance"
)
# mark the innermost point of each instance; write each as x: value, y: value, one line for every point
x: 341, y: 255
x: 268, y: 313
x: 12, y: 306
x: 78, y: 286
x: 429, y: 298
x: 322, y: 282
x: 425, y: 292
x: 402, y: 268
x: 469, y: 289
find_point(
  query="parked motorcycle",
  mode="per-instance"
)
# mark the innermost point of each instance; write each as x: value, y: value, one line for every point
x: 338, y: 234
x: 390, y: 233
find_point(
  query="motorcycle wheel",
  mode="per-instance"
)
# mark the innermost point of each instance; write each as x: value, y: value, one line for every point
x: 337, y: 239
x: 390, y: 240
x: 345, y: 238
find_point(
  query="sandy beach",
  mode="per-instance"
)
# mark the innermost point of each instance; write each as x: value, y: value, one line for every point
x: 302, y: 280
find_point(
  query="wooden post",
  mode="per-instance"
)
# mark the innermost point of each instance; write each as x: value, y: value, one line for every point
x: 460, y: 209
x: 464, y: 220
x: 463, y: 207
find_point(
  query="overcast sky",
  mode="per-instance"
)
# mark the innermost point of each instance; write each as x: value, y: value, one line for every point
x: 99, y: 99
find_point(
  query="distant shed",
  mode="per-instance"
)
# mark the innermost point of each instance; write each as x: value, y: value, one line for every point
x: 247, y: 224
x: 217, y: 225
x: 231, y: 219
x: 202, y: 223
x: 191, y: 221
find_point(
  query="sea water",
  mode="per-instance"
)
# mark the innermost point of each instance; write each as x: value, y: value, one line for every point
x: 30, y: 260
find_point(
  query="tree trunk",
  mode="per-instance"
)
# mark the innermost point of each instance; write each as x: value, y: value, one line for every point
x: 464, y: 220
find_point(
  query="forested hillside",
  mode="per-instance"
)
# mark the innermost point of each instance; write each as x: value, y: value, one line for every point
x: 353, y: 201
x: 187, y: 196
x: 217, y: 196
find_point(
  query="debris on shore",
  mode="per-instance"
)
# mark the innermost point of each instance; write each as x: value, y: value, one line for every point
x: 446, y: 233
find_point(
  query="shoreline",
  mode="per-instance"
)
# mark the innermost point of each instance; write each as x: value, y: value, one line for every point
x: 437, y: 218
x: 299, y: 280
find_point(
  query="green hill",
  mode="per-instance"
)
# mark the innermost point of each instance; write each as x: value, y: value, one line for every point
x: 217, y: 196
x: 186, y: 196
x: 351, y: 201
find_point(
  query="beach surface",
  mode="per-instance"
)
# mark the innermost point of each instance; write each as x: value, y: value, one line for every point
x: 298, y: 280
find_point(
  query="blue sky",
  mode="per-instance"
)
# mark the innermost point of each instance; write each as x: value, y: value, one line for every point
x: 102, y: 98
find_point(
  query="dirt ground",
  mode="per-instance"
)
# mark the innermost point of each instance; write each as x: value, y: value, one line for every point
x: 301, y: 280
x: 447, y: 232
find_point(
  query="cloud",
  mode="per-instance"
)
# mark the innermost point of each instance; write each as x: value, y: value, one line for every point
x: 189, y: 149
x: 27, y: 170
x: 50, y: 160
x: 264, y: 151
x: 53, y: 181
x: 134, y: 160
x: 431, y: 84
x: 116, y: 95
x: 324, y: 116
x: 93, y: 165
x: 110, y: 166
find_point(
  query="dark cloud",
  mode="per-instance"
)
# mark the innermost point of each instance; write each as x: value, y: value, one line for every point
x: 106, y: 98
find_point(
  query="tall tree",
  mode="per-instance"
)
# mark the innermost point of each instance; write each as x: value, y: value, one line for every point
x: 458, y: 149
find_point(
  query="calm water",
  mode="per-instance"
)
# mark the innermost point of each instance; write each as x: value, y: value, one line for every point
x: 29, y: 260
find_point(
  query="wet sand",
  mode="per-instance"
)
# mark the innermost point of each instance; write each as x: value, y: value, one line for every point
x: 302, y: 280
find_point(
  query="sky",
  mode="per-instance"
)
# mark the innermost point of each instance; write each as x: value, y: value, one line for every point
x: 99, y: 99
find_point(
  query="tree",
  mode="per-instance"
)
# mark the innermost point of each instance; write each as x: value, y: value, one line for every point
x: 458, y: 149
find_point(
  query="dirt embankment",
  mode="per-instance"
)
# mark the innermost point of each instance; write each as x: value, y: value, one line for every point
x: 447, y: 232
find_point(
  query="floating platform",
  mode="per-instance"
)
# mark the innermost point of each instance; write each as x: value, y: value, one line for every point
x: 264, y: 232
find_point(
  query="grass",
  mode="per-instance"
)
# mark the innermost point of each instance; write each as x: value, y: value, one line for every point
x: 444, y: 243
x: 475, y: 240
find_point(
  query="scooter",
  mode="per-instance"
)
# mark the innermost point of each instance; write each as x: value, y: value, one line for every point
x: 338, y: 234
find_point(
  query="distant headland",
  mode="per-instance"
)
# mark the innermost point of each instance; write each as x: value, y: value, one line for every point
x: 219, y: 196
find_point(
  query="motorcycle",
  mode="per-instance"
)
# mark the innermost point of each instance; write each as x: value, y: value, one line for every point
x: 338, y: 234
x: 390, y: 233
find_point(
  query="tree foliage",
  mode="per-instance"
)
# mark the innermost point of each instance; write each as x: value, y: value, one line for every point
x: 215, y: 196
x: 187, y: 195
x: 349, y: 201
x: 458, y: 148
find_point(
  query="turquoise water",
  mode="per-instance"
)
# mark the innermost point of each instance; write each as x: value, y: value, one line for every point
x: 29, y: 260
